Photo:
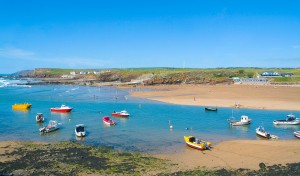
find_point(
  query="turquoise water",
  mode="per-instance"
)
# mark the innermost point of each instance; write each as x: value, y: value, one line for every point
x: 147, y: 129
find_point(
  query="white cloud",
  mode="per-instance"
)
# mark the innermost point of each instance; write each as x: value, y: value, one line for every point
x: 15, y: 53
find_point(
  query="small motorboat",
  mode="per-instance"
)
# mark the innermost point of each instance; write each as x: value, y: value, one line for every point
x: 297, y: 134
x: 290, y: 120
x: 80, y: 130
x: 211, y: 109
x: 199, y: 144
x: 52, y: 126
x: 123, y: 113
x: 24, y: 106
x: 39, y: 117
x: 108, y: 121
x: 62, y: 109
x: 244, y: 121
x: 260, y: 131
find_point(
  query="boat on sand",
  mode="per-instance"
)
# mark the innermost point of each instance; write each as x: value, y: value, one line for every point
x: 80, y: 130
x: 123, y: 113
x: 199, y: 144
x: 62, y: 109
x: 290, y: 120
x: 260, y: 131
x: 52, y: 126
x: 244, y: 121
x: 297, y: 134
x: 108, y: 121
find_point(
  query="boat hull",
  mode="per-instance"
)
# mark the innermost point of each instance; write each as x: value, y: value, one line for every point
x: 80, y: 130
x: 239, y: 123
x: 106, y: 120
x: 284, y: 122
x: 202, y: 145
x: 210, y: 109
x: 297, y: 134
x: 24, y: 106
x: 119, y: 115
x: 60, y: 110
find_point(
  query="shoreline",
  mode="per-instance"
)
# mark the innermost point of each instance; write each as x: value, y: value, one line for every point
x: 246, y: 96
x: 229, y: 156
x: 235, y: 154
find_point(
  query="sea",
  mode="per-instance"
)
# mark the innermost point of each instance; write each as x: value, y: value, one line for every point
x: 147, y: 129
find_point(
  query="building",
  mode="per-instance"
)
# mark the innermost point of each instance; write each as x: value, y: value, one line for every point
x: 270, y: 74
x: 252, y: 81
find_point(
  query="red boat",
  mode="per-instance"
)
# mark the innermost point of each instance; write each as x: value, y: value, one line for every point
x: 62, y: 109
x: 120, y: 114
x: 108, y: 121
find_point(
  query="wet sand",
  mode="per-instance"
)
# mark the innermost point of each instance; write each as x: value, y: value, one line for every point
x: 246, y: 96
x: 238, y: 154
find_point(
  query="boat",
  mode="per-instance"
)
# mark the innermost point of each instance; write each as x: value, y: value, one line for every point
x: 260, y: 131
x: 290, y: 120
x: 123, y: 113
x: 199, y: 144
x: 52, y: 126
x: 80, y: 130
x: 297, y: 134
x: 244, y: 121
x: 39, y: 117
x: 211, y: 109
x: 23, y: 106
x: 108, y: 121
x: 62, y: 109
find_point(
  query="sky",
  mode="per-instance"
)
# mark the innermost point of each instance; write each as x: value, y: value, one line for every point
x: 81, y: 34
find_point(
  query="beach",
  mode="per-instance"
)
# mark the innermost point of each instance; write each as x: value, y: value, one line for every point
x: 232, y: 154
x: 237, y: 154
x: 245, y: 96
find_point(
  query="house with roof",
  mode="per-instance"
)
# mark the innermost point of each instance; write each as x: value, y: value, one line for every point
x: 270, y: 74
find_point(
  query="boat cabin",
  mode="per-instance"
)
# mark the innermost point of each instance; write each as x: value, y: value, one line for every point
x: 245, y: 118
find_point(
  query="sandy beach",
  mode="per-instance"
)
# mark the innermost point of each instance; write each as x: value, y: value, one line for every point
x: 247, y: 96
x: 239, y: 154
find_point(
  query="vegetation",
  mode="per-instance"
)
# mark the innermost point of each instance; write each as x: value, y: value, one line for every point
x: 168, y: 75
x: 71, y: 158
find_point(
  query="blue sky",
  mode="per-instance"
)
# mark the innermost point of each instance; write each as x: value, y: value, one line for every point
x: 149, y: 33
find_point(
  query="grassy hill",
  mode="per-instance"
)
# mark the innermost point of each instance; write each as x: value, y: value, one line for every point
x: 153, y: 76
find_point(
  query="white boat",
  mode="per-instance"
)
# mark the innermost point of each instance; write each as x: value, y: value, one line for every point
x: 52, y: 126
x: 80, y: 130
x: 244, y: 121
x: 39, y: 117
x: 297, y: 134
x: 290, y: 120
x: 262, y: 133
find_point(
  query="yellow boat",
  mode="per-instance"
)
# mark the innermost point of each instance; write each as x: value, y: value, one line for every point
x: 23, y: 106
x: 199, y: 144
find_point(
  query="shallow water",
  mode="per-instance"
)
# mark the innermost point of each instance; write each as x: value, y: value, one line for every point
x: 146, y: 130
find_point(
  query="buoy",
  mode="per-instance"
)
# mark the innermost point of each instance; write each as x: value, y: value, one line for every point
x: 171, y: 127
x: 187, y: 128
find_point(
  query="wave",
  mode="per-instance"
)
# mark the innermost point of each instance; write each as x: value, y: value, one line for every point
x: 13, y: 83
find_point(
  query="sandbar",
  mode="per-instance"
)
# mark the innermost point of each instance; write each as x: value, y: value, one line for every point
x: 245, y: 96
x: 237, y: 154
